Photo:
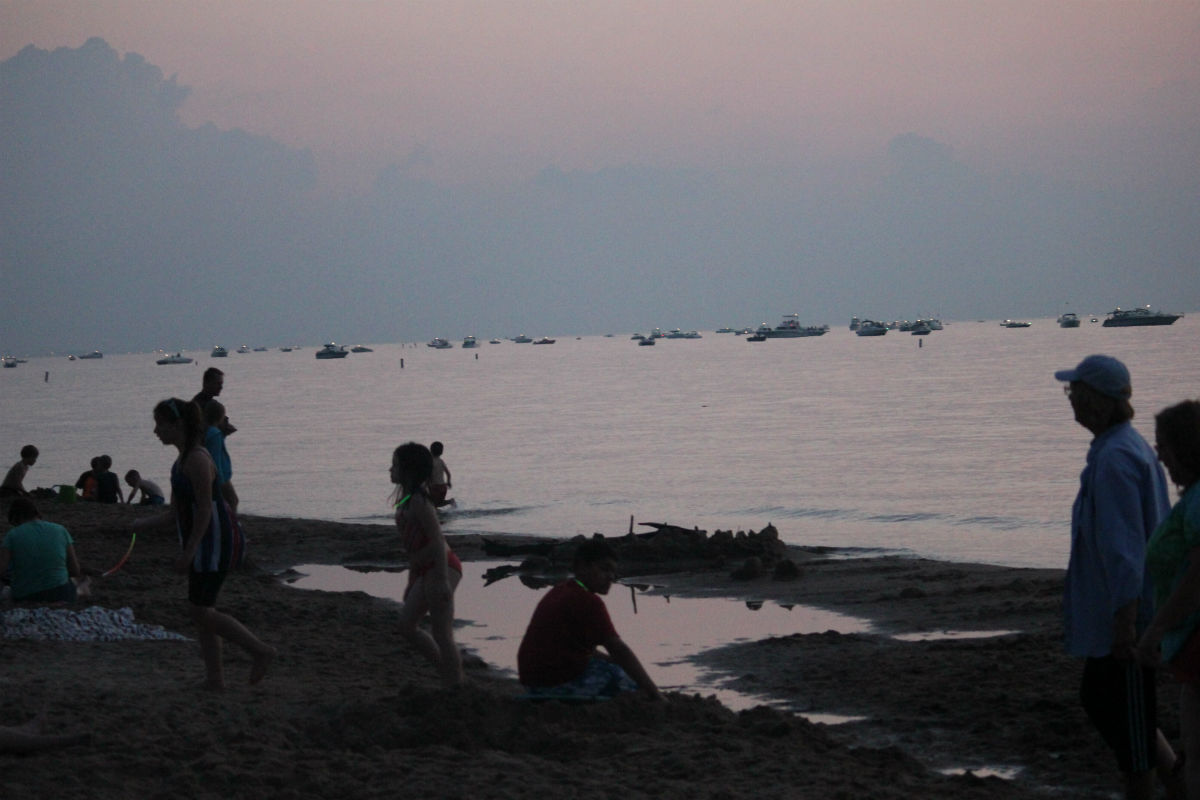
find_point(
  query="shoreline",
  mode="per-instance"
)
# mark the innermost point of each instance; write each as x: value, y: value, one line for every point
x: 349, y: 709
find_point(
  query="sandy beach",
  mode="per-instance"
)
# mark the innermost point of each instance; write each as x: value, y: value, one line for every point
x: 349, y: 711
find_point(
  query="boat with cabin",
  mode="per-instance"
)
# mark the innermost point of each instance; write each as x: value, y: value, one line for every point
x: 93, y: 354
x: 219, y: 352
x: 1138, y: 317
x: 1013, y: 323
x: 1068, y: 319
x: 178, y: 358
x: 361, y: 348
x: 438, y: 343
x: 332, y: 350
x: 869, y: 327
x: 469, y: 341
x: 544, y: 340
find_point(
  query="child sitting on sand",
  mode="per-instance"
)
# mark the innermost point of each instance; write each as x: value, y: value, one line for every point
x: 558, y: 656
x: 151, y: 494
x: 433, y: 569
x: 42, y: 557
x: 14, y: 481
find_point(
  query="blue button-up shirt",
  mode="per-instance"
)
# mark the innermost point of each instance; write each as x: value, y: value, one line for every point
x: 1122, y: 499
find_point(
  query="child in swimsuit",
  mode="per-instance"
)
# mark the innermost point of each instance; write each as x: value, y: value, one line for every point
x: 433, y: 569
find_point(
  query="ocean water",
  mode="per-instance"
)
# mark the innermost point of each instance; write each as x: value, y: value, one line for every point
x: 959, y: 445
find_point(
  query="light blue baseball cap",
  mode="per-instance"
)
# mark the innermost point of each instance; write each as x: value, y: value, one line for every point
x: 1105, y: 374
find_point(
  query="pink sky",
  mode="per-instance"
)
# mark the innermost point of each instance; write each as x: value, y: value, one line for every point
x: 506, y: 88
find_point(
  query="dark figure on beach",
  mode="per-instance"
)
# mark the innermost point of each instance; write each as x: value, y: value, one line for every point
x: 1108, y: 601
x: 1173, y: 557
x: 440, y: 482
x: 214, y: 442
x: 558, y: 656
x: 108, y: 486
x: 151, y: 494
x: 210, y: 539
x: 85, y: 484
x: 41, y: 556
x: 14, y: 481
x: 433, y: 569
x: 213, y: 383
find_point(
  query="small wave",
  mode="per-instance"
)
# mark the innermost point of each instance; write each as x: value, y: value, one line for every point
x: 476, y: 513
x: 779, y: 512
x: 915, y: 516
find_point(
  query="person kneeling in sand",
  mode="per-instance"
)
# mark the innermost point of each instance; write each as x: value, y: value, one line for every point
x: 558, y: 656
x: 42, y: 557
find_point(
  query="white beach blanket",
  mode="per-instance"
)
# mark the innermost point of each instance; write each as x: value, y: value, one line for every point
x: 92, y: 624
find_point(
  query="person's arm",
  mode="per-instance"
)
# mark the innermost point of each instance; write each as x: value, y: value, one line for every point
x: 227, y: 427
x: 1182, y: 603
x: 198, y: 467
x: 449, y: 483
x: 624, y: 657
x: 1118, y: 502
x: 433, y: 552
x: 72, y: 562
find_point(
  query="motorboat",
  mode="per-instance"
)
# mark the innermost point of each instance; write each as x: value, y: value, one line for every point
x: 244, y: 349
x: 637, y: 337
x: 332, y: 350
x: 493, y: 341
x: 869, y: 327
x: 1068, y: 320
x: 219, y: 352
x: 757, y: 337
x: 178, y: 358
x: 1137, y: 317
x: 286, y: 349
x: 522, y: 339
x: 93, y: 354
x: 675, y: 333
x: 9, y: 362
x: 920, y: 328
x: 692, y: 335
x: 854, y: 323
x: 361, y: 348
x: 645, y: 341
x: 439, y: 343
x: 724, y: 330
x: 657, y: 333
x: 260, y: 349
x: 469, y: 341
x: 544, y: 340
x: 1013, y: 323
x: 790, y: 328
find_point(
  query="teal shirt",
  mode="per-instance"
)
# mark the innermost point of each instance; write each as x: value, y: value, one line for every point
x: 1167, y: 560
x: 38, y: 551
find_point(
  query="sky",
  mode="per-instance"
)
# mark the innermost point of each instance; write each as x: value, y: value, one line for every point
x: 175, y: 174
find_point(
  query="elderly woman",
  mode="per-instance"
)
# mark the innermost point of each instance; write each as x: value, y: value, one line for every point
x: 42, y: 557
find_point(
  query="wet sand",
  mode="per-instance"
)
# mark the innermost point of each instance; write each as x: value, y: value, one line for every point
x: 349, y: 711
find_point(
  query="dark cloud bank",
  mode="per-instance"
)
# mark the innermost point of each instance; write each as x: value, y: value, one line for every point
x: 122, y: 229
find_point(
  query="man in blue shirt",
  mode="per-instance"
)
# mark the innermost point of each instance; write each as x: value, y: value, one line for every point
x: 1108, y: 599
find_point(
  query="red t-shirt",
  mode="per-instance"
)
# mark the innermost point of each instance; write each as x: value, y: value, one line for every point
x: 566, y: 627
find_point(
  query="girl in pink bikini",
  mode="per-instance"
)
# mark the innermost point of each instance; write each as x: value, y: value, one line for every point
x: 433, y: 569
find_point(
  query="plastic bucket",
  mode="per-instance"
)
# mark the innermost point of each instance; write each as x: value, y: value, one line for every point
x: 66, y: 493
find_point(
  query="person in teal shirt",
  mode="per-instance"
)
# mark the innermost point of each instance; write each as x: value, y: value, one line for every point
x: 41, y: 555
x: 1173, y: 558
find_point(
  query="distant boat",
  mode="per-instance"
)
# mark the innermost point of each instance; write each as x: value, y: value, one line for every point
x: 645, y: 341
x: 9, y: 362
x: 178, y: 358
x: 260, y: 349
x: 869, y: 327
x: 439, y: 343
x: 244, y: 349
x: 470, y: 341
x: 361, y: 348
x: 522, y: 339
x: 757, y: 337
x: 332, y: 350
x: 920, y: 328
x: 544, y: 340
x: 1012, y: 323
x: 287, y: 349
x: 93, y: 354
x: 1137, y: 317
x: 724, y: 330
x: 790, y: 328
x: 1068, y: 320
x: 219, y: 352
x: 493, y: 341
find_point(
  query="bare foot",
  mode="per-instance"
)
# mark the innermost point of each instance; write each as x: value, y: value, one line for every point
x: 262, y: 662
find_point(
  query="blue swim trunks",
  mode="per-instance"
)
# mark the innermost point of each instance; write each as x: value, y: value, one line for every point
x: 601, y: 680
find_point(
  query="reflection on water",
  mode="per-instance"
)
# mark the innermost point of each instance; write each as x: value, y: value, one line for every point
x: 664, y: 631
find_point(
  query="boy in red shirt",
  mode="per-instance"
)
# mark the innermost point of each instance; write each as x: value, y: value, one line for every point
x: 558, y: 656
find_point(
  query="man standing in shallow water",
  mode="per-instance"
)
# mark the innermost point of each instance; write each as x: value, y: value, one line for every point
x: 1108, y: 600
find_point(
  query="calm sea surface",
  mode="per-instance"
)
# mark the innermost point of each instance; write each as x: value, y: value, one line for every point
x: 962, y: 448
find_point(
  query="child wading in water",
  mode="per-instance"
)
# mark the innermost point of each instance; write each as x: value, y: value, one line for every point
x: 433, y: 569
x: 210, y: 538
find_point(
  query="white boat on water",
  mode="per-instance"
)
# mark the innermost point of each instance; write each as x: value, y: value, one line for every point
x: 1068, y: 319
x: 93, y: 354
x: 178, y: 358
x: 332, y: 350
x: 9, y: 362
x: 544, y: 340
x: 1013, y: 323
x: 361, y: 348
x: 790, y: 328
x: 522, y: 339
x: 470, y: 341
x: 219, y: 352
x: 244, y: 349
x: 439, y: 343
